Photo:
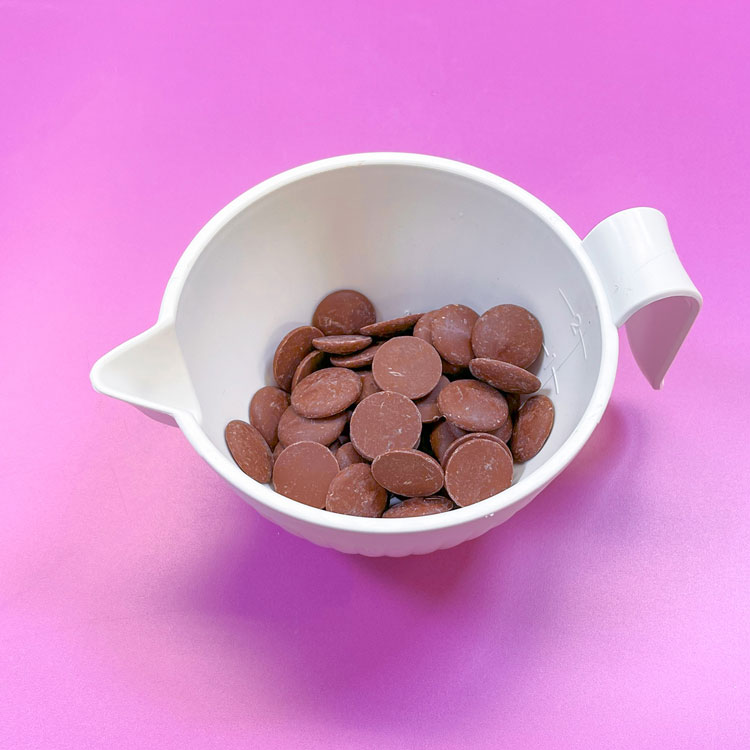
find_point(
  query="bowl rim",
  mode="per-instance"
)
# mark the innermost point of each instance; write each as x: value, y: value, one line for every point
x: 528, y: 485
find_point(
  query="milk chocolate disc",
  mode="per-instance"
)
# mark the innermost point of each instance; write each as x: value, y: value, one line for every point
x: 346, y: 455
x: 423, y: 330
x: 407, y: 365
x: 477, y: 470
x: 293, y: 428
x: 354, y: 492
x: 504, y: 375
x: 423, y: 327
x: 408, y: 472
x: 369, y: 386
x: 427, y: 405
x: 290, y: 352
x: 532, y: 427
x: 442, y: 436
x: 451, y: 333
x: 385, y: 328
x: 309, y: 364
x: 384, y: 421
x: 514, y: 402
x: 472, y: 436
x: 304, y: 471
x: 419, y: 506
x: 342, y: 344
x: 358, y: 359
x: 509, y: 333
x: 453, y: 371
x: 249, y: 449
x: 473, y: 406
x: 326, y: 392
x: 343, y: 312
x: 505, y: 430
x: 266, y: 408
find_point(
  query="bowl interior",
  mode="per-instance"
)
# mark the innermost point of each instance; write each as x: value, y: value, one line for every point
x: 412, y: 238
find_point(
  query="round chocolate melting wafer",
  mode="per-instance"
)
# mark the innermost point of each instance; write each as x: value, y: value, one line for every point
x: 453, y: 371
x: 477, y: 470
x: 266, y: 408
x: 293, y: 428
x: 407, y: 365
x: 343, y: 312
x: 505, y: 430
x: 451, y: 333
x: 345, y: 431
x: 473, y: 406
x: 423, y: 327
x: 423, y: 330
x: 509, y: 333
x: 427, y: 405
x: 505, y: 376
x: 304, y: 471
x: 532, y: 427
x: 342, y: 344
x: 369, y: 386
x: 384, y: 421
x: 356, y: 360
x: 514, y: 402
x: 354, y: 492
x: 442, y: 436
x: 385, y: 328
x: 249, y: 450
x: 408, y: 472
x: 290, y: 352
x: 309, y: 364
x: 326, y: 392
x: 419, y: 506
x: 472, y: 436
x: 346, y: 455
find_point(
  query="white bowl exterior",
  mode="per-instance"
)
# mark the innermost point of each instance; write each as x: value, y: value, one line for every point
x: 418, y: 542
x: 412, y: 232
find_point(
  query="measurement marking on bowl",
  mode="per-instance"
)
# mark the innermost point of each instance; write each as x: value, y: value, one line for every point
x: 575, y: 326
x: 554, y: 377
x: 553, y: 374
x: 551, y: 357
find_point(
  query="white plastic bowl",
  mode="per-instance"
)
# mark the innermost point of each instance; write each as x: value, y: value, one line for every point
x: 413, y: 233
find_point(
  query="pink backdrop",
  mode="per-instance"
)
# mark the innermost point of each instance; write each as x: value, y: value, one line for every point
x: 143, y: 604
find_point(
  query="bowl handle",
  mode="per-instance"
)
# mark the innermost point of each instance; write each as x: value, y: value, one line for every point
x: 648, y: 289
x: 149, y: 372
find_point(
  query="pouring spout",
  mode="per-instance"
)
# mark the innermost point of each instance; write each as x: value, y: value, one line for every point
x: 149, y: 372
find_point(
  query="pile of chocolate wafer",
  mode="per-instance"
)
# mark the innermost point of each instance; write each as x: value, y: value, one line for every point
x: 404, y: 417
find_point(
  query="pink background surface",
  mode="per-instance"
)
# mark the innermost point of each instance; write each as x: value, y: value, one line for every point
x: 143, y: 604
